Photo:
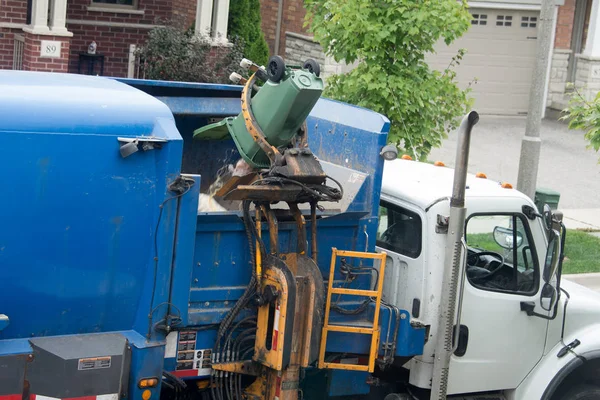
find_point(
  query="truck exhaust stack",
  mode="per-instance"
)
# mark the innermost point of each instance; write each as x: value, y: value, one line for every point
x: 454, y: 261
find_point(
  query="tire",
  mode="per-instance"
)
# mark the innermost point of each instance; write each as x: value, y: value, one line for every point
x: 312, y: 66
x: 582, y: 392
x: 275, y: 69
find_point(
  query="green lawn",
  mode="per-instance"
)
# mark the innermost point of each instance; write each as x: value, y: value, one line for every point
x: 582, y: 253
x: 582, y: 250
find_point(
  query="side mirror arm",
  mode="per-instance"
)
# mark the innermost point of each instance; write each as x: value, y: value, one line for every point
x: 529, y: 306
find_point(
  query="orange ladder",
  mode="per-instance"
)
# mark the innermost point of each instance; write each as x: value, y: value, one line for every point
x: 373, y: 331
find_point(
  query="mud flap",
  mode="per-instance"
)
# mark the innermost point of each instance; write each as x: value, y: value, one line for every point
x: 79, y: 365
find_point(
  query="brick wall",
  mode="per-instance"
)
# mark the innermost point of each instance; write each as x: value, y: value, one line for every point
x: 14, y: 11
x: 114, y: 32
x: 31, y: 56
x: 154, y: 12
x: 564, y: 25
x: 292, y: 21
x: 113, y: 43
x: 6, y: 47
x: 184, y: 11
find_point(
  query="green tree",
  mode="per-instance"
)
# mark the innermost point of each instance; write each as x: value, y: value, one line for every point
x: 389, y: 39
x: 585, y: 115
x: 244, y: 23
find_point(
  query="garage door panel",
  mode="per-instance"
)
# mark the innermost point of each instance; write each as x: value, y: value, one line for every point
x: 501, y: 50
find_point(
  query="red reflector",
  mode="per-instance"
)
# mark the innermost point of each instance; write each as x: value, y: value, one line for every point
x: 11, y: 397
x: 185, y: 372
x: 278, y: 388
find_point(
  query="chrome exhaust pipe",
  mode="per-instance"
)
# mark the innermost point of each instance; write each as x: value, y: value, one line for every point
x: 454, y: 262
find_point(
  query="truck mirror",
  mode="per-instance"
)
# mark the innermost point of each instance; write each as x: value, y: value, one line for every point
x: 552, y: 256
x: 547, y: 214
x: 505, y: 239
x: 547, y: 296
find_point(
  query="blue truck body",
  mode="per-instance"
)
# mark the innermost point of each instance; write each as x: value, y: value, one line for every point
x: 98, y: 253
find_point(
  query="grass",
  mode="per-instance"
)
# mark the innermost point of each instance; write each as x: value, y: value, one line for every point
x: 582, y: 250
x: 582, y: 253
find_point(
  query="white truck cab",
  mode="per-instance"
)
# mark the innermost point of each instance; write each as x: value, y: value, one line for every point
x: 524, y: 333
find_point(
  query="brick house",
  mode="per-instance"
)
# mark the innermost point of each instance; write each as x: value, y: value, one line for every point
x: 501, y: 48
x: 53, y: 35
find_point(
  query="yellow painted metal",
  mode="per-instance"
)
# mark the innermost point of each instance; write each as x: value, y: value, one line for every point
x: 358, y: 254
x: 349, y: 367
x: 258, y: 255
x: 271, y: 358
x: 373, y: 331
x: 349, y: 329
x: 354, y: 292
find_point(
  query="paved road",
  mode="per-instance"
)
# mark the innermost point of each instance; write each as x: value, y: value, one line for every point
x: 565, y: 164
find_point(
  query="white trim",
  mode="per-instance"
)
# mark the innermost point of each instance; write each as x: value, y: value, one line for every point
x: 549, y: 68
x: 115, y: 10
x: 592, y: 44
x: 204, y: 12
x: 504, y: 6
x: 113, y: 24
x: 12, y: 25
x: 220, y: 17
x: 46, y: 32
x: 131, y: 64
x: 39, y: 17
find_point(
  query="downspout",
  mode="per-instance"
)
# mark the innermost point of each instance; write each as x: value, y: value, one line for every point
x: 278, y: 32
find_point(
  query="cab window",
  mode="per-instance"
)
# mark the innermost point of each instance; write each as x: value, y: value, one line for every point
x: 399, y: 230
x: 501, y: 255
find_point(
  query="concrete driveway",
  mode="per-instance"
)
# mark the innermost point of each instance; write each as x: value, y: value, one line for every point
x: 566, y: 165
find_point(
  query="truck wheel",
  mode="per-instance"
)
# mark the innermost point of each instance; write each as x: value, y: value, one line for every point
x: 582, y: 392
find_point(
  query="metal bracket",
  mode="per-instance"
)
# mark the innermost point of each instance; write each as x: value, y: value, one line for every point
x: 442, y: 224
x: 128, y: 146
x: 4, y: 321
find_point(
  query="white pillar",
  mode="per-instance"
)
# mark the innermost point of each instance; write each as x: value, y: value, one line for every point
x: 221, y: 15
x: 204, y: 11
x: 58, y: 17
x: 592, y: 44
x: 39, y: 17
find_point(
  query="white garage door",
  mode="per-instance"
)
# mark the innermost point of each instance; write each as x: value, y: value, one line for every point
x: 501, y: 50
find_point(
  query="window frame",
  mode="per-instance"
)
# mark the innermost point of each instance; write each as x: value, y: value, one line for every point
x: 98, y: 4
x: 404, y: 210
x: 530, y: 242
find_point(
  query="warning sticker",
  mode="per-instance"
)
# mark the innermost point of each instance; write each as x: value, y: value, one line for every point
x: 202, y: 361
x: 93, y: 363
x: 186, y: 346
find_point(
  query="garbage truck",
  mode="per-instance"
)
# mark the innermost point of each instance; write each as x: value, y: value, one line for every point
x: 332, y: 270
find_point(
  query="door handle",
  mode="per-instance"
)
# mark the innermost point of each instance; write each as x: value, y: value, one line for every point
x: 528, y: 307
x: 4, y: 321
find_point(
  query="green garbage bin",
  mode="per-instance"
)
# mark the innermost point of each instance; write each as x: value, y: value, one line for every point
x: 546, y: 196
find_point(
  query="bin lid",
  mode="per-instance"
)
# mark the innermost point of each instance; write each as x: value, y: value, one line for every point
x: 43, y: 102
x: 548, y: 192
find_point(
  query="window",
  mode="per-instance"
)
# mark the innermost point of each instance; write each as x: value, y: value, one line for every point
x: 504, y: 20
x: 528, y: 22
x: 115, y: 3
x: 501, y: 256
x: 399, y: 230
x: 479, y: 19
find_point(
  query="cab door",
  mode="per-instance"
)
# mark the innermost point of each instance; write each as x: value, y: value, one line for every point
x: 498, y: 343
